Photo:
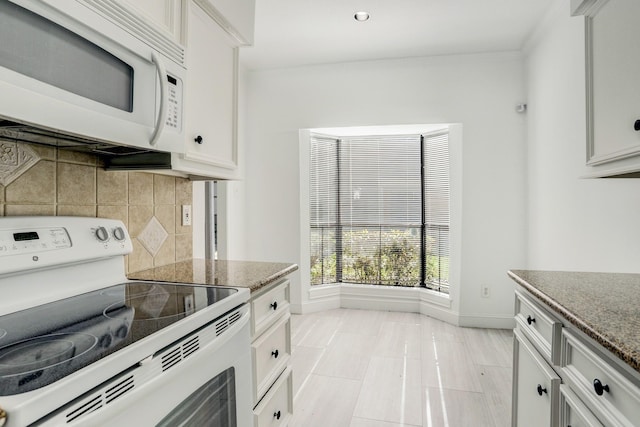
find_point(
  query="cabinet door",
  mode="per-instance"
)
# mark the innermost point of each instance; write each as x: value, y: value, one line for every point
x: 211, y: 100
x: 573, y: 412
x: 165, y: 14
x: 535, y: 385
x: 276, y: 408
x: 613, y: 120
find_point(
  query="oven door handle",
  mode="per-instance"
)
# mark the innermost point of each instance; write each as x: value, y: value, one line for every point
x: 162, y: 115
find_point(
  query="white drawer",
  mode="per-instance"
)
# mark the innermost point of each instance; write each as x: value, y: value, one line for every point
x: 268, y: 306
x: 544, y: 330
x: 271, y: 353
x: 610, y: 396
x: 573, y: 411
x: 276, y: 409
x: 535, y: 386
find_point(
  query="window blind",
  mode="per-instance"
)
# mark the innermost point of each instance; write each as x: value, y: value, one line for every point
x: 380, y: 180
x: 323, y: 181
x: 380, y: 209
x: 436, y: 210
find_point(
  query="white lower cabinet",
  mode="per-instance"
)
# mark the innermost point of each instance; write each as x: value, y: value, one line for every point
x: 610, y: 395
x: 573, y: 412
x: 276, y: 408
x: 271, y: 355
x: 561, y: 377
x: 536, y: 386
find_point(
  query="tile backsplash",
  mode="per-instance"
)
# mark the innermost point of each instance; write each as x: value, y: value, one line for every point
x: 41, y: 180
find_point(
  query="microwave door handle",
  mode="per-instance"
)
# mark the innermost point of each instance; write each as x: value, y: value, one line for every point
x: 162, y: 115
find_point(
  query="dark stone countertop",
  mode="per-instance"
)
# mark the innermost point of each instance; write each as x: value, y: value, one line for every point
x: 605, y: 306
x: 240, y: 274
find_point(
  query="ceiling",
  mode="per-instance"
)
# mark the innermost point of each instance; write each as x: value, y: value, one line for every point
x: 292, y: 33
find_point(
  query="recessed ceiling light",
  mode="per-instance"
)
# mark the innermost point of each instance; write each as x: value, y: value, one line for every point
x: 361, y: 16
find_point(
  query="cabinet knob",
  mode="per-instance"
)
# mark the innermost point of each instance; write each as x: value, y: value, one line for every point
x: 276, y: 415
x: 274, y: 305
x: 530, y: 319
x: 636, y: 125
x: 599, y: 388
x: 275, y: 353
x: 541, y: 390
x: 198, y: 139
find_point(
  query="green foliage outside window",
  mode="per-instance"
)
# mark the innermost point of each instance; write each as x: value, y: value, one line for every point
x: 387, y: 257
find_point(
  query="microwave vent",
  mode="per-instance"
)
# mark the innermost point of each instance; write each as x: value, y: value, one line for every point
x: 115, y: 157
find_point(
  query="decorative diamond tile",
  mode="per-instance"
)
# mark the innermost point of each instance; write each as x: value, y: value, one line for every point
x: 153, y: 236
x: 15, y: 159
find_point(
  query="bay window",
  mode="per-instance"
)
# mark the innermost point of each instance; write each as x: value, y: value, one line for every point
x: 379, y: 210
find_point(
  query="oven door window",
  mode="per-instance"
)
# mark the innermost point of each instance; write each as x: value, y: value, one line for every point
x: 45, y: 51
x: 213, y: 404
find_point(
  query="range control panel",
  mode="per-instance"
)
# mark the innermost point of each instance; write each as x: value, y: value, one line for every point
x: 36, y: 242
x: 33, y: 240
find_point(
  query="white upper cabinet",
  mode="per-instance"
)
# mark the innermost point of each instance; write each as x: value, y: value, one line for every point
x: 207, y: 34
x: 211, y: 100
x: 612, y: 67
x: 165, y: 14
x: 235, y: 16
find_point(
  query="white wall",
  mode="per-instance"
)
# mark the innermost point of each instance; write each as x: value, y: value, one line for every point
x: 574, y: 224
x: 478, y: 91
x: 232, y: 238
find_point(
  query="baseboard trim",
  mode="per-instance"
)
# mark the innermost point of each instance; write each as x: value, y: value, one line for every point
x: 386, y: 298
x: 484, y: 321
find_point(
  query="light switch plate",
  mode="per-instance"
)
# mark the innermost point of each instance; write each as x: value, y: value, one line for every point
x: 186, y: 215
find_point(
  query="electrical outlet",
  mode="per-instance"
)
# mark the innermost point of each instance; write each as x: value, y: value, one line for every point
x: 186, y: 215
x: 484, y: 291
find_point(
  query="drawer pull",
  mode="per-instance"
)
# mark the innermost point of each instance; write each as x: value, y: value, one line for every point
x: 275, y: 353
x: 530, y: 319
x: 274, y: 305
x: 541, y: 390
x: 276, y: 415
x: 599, y: 388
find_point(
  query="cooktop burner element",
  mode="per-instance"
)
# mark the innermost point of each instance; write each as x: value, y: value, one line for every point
x: 31, y: 363
x: 40, y: 352
x: 66, y: 335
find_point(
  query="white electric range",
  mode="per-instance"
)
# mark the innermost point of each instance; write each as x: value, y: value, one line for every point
x: 82, y: 345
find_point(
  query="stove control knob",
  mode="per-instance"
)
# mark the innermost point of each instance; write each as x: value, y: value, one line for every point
x: 102, y: 234
x: 119, y: 234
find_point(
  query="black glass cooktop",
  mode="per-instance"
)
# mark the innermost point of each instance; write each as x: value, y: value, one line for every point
x: 43, y: 344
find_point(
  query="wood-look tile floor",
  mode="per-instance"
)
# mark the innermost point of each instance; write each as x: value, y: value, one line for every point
x: 360, y: 368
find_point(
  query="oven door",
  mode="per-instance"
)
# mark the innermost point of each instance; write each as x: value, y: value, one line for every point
x: 202, y: 380
x: 72, y: 67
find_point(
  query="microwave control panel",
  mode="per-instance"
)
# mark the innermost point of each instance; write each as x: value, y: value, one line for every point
x: 175, y: 97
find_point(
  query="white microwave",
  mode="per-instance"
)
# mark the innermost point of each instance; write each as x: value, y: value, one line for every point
x: 91, y: 69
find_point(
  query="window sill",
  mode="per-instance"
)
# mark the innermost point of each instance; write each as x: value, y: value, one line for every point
x: 380, y: 297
